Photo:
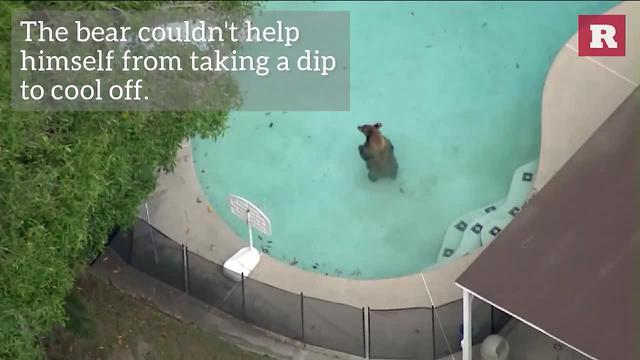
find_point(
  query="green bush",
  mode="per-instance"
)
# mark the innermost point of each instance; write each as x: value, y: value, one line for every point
x: 66, y: 179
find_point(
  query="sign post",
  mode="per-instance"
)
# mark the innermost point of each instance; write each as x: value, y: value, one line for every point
x: 245, y: 260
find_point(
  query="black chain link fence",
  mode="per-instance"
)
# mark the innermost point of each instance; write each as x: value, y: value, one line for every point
x: 412, y: 333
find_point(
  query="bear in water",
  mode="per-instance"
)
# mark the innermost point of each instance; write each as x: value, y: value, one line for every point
x: 377, y: 151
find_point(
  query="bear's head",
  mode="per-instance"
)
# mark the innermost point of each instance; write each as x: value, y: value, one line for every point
x: 369, y: 130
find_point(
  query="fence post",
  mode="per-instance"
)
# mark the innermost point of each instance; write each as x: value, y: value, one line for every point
x: 130, y: 259
x: 244, y: 317
x: 433, y: 330
x: 364, y: 335
x: 493, y: 325
x: 185, y: 268
x: 368, y: 354
x: 302, y: 316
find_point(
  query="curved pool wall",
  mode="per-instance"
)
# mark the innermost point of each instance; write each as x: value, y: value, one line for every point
x: 460, y: 99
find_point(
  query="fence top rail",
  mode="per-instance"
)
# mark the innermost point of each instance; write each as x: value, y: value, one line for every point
x: 155, y: 229
x: 315, y: 298
x: 306, y: 297
x: 333, y: 302
x: 301, y: 295
x: 459, y: 301
x: 404, y: 308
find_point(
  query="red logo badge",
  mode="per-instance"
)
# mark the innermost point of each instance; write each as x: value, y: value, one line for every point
x: 601, y: 35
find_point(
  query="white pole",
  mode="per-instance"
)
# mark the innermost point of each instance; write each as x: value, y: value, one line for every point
x: 249, y: 225
x: 467, y: 342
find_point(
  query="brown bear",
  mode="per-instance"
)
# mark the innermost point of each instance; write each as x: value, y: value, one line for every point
x: 377, y: 151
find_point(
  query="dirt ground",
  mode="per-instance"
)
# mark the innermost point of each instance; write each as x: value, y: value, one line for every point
x: 124, y: 328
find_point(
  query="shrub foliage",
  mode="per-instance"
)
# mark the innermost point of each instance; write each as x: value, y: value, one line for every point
x: 66, y: 179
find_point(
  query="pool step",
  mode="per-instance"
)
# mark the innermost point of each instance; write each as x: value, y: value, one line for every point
x: 484, y: 228
x: 492, y: 229
x: 456, y: 229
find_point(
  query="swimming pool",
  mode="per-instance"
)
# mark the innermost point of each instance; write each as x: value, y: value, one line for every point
x: 457, y: 87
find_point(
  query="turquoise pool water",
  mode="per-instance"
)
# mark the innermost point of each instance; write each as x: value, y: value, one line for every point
x: 457, y: 87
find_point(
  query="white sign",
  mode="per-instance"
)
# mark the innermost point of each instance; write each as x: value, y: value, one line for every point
x: 250, y: 214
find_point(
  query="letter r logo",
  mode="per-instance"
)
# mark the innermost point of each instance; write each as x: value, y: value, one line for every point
x: 601, y: 35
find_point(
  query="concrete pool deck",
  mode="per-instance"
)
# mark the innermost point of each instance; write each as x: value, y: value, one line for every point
x: 579, y: 94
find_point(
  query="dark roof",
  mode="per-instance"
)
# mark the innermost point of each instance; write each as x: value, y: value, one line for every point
x: 565, y: 264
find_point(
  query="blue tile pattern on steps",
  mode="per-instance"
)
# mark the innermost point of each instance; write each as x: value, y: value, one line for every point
x: 456, y: 229
x: 462, y: 226
x: 494, y: 230
x: 490, y: 220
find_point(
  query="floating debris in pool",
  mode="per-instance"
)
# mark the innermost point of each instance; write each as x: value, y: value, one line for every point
x: 428, y: 46
x: 326, y: 274
x: 412, y: 14
x: 484, y: 24
x: 269, y: 241
x: 270, y: 125
x: 315, y: 266
x: 202, y: 171
x: 293, y: 262
x: 205, y: 154
x: 260, y: 237
x: 517, y: 66
x: 402, y: 190
x: 207, y: 187
x: 198, y: 200
x: 267, y: 113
